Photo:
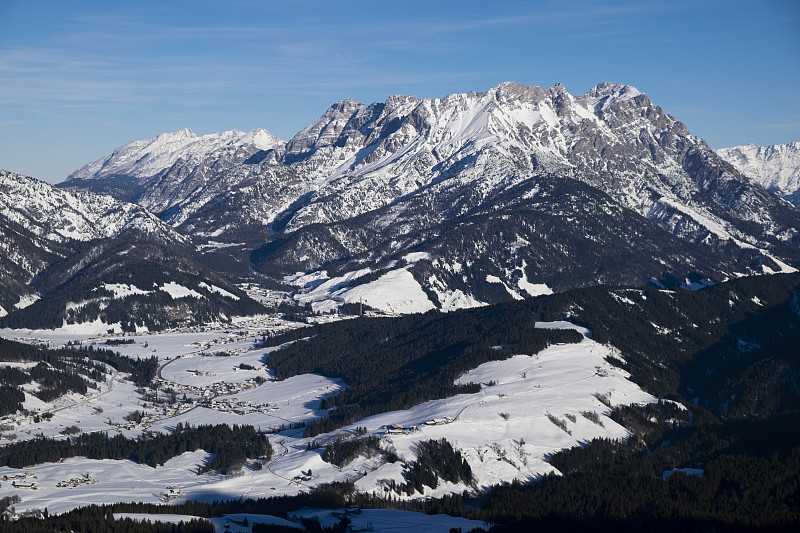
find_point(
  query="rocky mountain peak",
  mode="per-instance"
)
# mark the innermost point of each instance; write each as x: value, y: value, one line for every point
x: 605, y: 91
x: 396, y: 101
x: 510, y: 92
x: 325, y: 131
x: 141, y: 160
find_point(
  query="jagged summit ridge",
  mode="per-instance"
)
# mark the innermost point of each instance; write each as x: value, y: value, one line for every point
x: 384, y: 150
x: 613, y: 138
x: 357, y: 158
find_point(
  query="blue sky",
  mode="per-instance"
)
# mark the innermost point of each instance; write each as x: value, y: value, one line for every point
x: 78, y: 79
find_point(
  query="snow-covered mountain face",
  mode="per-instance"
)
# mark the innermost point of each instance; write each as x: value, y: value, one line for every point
x: 42, y: 223
x: 357, y: 158
x: 172, y: 169
x: 387, y: 179
x: 61, y: 215
x: 366, y: 185
x: 60, y: 244
x: 361, y: 157
x: 775, y: 167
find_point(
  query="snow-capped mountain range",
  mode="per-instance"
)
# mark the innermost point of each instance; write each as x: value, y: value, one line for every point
x: 357, y: 158
x: 775, y: 167
x: 470, y: 198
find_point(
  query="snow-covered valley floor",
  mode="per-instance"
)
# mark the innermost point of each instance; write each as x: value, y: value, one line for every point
x: 528, y: 408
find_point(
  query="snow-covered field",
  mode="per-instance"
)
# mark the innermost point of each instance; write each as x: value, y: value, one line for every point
x: 384, y: 520
x: 528, y: 407
x: 388, y: 520
x: 394, y: 292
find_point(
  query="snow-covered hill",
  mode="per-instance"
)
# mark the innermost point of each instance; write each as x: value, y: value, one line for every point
x: 710, y: 351
x: 505, y: 431
x: 775, y: 167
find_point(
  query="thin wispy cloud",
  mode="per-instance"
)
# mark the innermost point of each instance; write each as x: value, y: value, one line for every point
x: 792, y: 125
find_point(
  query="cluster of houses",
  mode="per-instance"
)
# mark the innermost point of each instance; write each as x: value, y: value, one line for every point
x: 206, y: 392
x: 265, y: 296
x: 159, y: 413
x: 25, y: 481
x: 397, y: 429
x: 208, y: 398
x: 15, y: 477
x: 75, y: 482
x: 439, y: 421
x: 171, y: 493
x: 239, y: 407
x: 11, y: 516
x: 302, y: 477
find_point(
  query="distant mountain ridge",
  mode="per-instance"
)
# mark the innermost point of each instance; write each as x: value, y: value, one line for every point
x: 60, y: 215
x: 775, y: 167
x: 41, y: 224
x: 172, y: 168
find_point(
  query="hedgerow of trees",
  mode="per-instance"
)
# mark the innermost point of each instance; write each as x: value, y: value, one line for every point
x: 231, y: 446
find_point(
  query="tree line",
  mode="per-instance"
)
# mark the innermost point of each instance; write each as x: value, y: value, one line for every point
x: 396, y: 363
x: 231, y: 446
x: 63, y: 370
x: 94, y: 518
